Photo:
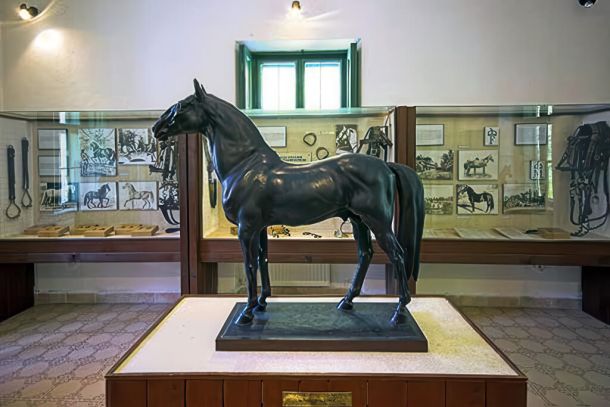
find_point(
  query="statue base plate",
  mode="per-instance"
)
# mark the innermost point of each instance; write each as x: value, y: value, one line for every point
x: 320, y: 326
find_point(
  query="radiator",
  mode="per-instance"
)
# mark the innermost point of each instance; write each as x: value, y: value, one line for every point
x: 291, y: 275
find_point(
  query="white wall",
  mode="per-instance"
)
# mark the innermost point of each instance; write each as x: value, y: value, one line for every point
x: 115, y: 54
x: 139, y: 54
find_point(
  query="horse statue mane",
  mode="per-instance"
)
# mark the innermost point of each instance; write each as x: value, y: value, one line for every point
x: 260, y: 190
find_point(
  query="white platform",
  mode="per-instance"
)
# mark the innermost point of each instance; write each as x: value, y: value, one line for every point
x: 184, y: 342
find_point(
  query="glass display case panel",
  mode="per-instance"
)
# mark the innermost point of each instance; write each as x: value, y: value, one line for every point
x: 86, y: 174
x: 491, y: 172
x: 302, y: 137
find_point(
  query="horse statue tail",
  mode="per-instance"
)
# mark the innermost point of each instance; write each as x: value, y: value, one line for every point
x: 410, y: 215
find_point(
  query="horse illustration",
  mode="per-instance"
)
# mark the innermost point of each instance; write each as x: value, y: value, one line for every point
x: 476, y: 163
x: 474, y: 198
x: 52, y: 198
x: 134, y: 195
x: 261, y: 190
x: 101, y: 195
x: 106, y: 156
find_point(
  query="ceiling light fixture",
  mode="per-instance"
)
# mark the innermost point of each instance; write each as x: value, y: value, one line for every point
x: 296, y: 5
x: 27, y: 13
x: 587, y: 3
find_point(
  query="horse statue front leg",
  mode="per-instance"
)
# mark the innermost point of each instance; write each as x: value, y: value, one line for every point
x: 263, y: 265
x: 362, y: 235
x: 249, y: 240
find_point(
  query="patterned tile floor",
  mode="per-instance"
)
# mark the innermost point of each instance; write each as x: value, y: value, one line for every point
x: 56, y: 355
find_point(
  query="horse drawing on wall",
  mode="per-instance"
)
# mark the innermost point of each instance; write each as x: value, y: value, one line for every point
x: 101, y: 195
x: 474, y: 198
x: 260, y: 190
x: 476, y: 164
x: 146, y: 197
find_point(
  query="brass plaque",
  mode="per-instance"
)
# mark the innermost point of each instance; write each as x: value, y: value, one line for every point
x: 316, y: 399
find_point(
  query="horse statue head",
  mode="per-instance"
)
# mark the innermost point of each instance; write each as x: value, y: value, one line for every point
x: 189, y: 115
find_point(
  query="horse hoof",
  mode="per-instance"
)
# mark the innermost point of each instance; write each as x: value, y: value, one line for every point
x: 261, y: 306
x: 245, y: 318
x: 345, y: 305
x: 398, y: 318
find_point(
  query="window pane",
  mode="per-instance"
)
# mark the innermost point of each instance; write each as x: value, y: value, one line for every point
x: 278, y: 86
x: 323, y: 85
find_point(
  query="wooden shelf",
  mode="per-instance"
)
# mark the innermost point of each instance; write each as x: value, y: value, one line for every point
x: 90, y: 250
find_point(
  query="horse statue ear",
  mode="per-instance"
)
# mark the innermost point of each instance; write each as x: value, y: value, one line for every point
x: 199, y: 90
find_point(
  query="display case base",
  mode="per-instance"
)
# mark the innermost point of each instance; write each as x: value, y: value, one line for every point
x: 175, y: 364
x: 320, y: 326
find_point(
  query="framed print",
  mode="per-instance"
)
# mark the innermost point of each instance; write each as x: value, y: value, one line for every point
x: 137, y: 147
x: 98, y: 152
x: 346, y: 138
x: 97, y: 196
x: 531, y: 134
x: 429, y: 134
x: 475, y: 199
x: 478, y: 165
x: 434, y: 164
x: 491, y: 136
x: 138, y: 196
x: 52, y: 139
x: 537, y: 170
x: 49, y: 165
x: 58, y: 196
x: 274, y: 136
x: 438, y: 199
x: 523, y: 197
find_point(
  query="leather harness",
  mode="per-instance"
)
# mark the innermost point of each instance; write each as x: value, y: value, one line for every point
x: 26, y: 198
x: 12, y: 210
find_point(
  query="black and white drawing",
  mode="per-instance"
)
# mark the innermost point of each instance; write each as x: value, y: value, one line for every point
x: 537, y: 170
x: 523, y: 197
x: 58, y: 197
x: 478, y: 165
x: 97, y: 152
x: 52, y: 139
x: 347, y: 138
x: 169, y: 201
x: 477, y: 199
x: 97, y: 196
x: 429, y: 134
x: 137, y: 147
x: 438, y: 199
x: 491, y: 136
x: 435, y: 164
x: 138, y: 195
x: 531, y: 134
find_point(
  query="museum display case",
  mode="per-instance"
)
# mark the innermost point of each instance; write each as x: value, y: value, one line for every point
x: 71, y: 180
x: 525, y: 180
x: 302, y: 137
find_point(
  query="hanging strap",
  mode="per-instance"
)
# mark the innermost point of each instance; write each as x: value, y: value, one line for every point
x: 26, y: 198
x: 12, y: 210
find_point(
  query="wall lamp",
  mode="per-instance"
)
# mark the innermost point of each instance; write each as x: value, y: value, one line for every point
x: 27, y: 13
x: 587, y: 3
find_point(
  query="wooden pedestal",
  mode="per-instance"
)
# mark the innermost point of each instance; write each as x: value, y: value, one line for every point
x: 175, y: 364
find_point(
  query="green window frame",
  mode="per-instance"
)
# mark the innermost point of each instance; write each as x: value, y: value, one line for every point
x: 248, y: 67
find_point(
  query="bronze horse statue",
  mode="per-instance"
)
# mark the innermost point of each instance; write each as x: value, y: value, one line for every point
x: 260, y: 190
